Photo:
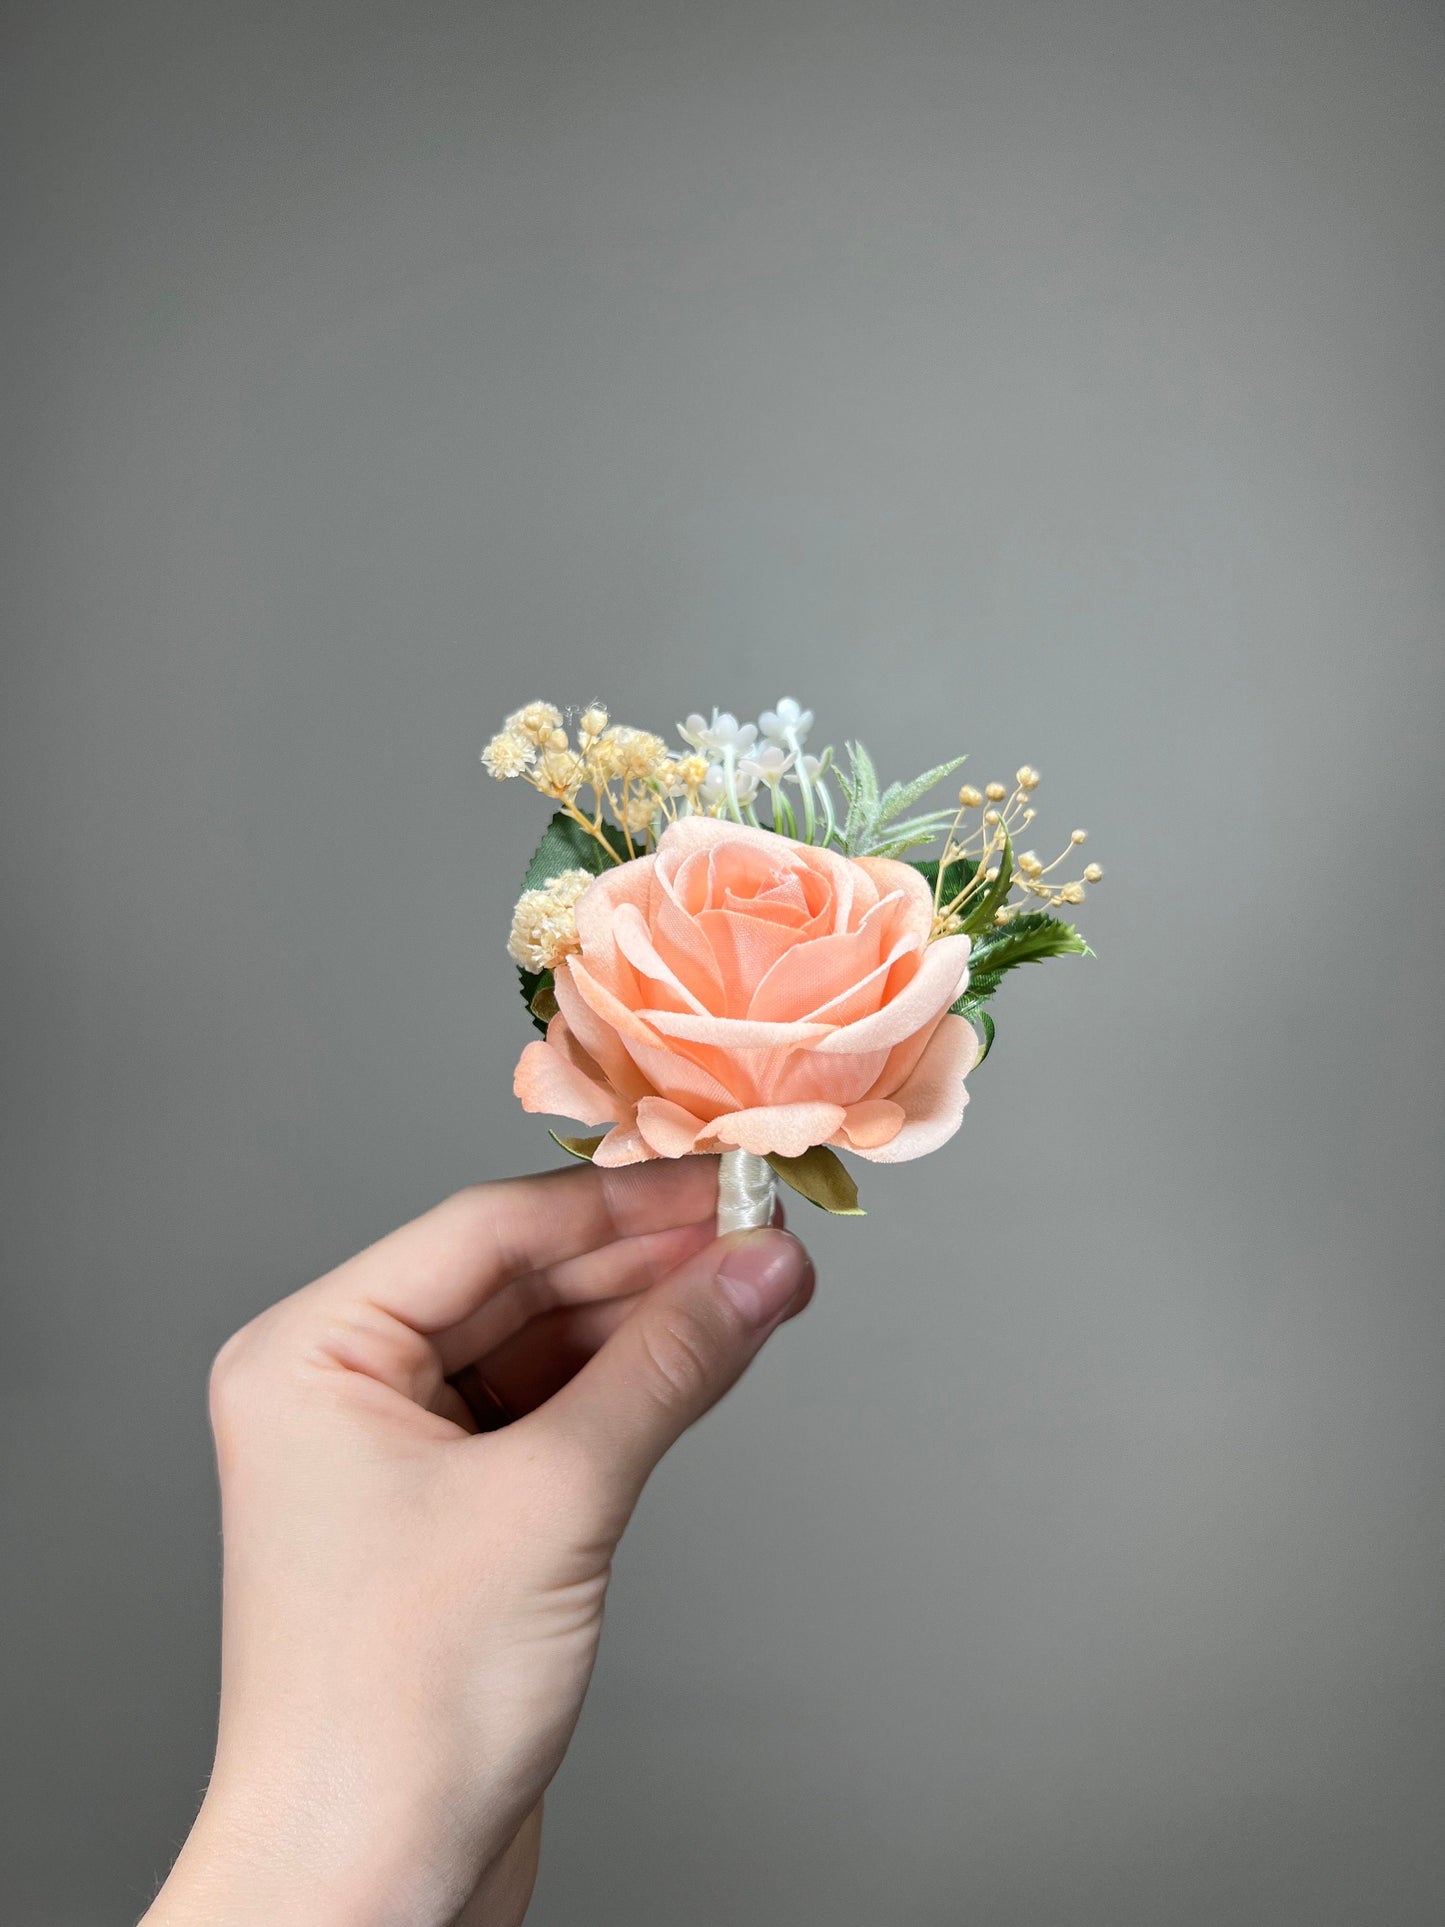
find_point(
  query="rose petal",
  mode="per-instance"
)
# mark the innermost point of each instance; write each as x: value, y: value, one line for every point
x: 545, y: 1080
x: 860, y: 991
x: 934, y: 1098
x: 684, y: 947
x: 597, y: 1037
x: 746, y: 949
x: 809, y: 1077
x: 668, y: 1128
x: 849, y: 882
x: 599, y: 902
x: 683, y: 1073
x: 941, y: 975
x: 872, y: 1122
x: 634, y: 940
x: 809, y: 976
x: 788, y: 1129
x: 597, y: 909
x: 624, y: 1144
x: 735, y: 1033
x: 892, y: 877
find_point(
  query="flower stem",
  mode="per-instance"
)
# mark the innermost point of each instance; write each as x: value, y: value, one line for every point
x: 810, y: 819
x: 783, y: 818
x: 730, y: 782
x: 746, y: 1192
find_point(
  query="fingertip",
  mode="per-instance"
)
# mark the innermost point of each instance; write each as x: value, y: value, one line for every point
x: 763, y: 1272
x: 804, y: 1295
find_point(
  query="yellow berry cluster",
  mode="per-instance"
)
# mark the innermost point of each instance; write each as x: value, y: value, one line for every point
x: 1004, y: 815
x: 608, y: 767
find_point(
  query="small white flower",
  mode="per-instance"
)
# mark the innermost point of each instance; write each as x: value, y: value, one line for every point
x: 714, y: 785
x: 809, y: 766
x: 789, y: 715
x: 723, y: 732
x: 544, y: 923
x: 508, y: 754
x: 769, y: 764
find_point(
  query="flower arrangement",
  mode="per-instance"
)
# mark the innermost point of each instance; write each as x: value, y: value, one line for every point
x: 724, y: 956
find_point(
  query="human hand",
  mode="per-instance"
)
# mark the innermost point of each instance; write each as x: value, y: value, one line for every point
x: 412, y: 1610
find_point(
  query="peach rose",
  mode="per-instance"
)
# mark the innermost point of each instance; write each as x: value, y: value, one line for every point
x: 736, y: 988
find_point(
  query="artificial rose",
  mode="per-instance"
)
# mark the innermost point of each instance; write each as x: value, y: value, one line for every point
x: 738, y: 989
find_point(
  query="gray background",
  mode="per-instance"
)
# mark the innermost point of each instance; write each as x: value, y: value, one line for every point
x: 1062, y: 383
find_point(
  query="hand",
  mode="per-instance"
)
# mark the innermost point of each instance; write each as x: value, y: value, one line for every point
x: 411, y: 1609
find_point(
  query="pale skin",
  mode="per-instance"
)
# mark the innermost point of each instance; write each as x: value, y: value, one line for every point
x: 412, y: 1610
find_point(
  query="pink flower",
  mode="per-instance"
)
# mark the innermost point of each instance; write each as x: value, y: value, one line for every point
x: 739, y: 989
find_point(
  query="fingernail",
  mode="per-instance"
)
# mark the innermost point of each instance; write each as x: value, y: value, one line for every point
x: 763, y: 1273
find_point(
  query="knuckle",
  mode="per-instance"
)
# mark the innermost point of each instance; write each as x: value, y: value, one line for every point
x: 235, y: 1370
x: 679, y: 1355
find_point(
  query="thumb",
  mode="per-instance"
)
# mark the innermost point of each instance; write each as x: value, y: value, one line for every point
x: 689, y: 1341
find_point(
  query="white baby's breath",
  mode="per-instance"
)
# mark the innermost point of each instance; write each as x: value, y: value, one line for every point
x: 544, y: 923
x: 508, y: 754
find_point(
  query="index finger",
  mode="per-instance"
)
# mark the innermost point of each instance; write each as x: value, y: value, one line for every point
x: 437, y: 1270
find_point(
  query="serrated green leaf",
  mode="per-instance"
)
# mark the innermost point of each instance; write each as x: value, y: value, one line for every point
x: 566, y: 845
x: 820, y: 1176
x: 1027, y: 939
x: 577, y: 1147
x: 986, y: 1025
x: 980, y: 987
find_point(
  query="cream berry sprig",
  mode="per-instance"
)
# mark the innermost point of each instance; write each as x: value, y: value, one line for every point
x: 723, y: 961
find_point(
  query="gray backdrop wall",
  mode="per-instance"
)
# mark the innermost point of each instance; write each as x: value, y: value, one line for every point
x: 1060, y: 382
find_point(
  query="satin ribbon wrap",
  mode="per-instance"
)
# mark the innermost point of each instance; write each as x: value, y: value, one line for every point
x: 746, y: 1192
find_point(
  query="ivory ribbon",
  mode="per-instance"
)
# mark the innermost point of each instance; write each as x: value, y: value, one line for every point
x: 746, y: 1189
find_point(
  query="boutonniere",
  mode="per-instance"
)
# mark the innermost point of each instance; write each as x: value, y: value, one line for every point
x: 727, y: 958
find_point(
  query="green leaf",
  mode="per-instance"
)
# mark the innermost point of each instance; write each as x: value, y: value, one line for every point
x: 862, y: 794
x: 985, y: 1024
x: 907, y: 835
x: 566, y: 845
x: 820, y: 1176
x: 961, y: 872
x: 980, y: 987
x: 865, y: 775
x: 981, y: 1019
x: 538, y: 995
x: 902, y: 796
x: 1027, y: 939
x: 979, y: 917
x: 577, y: 1147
